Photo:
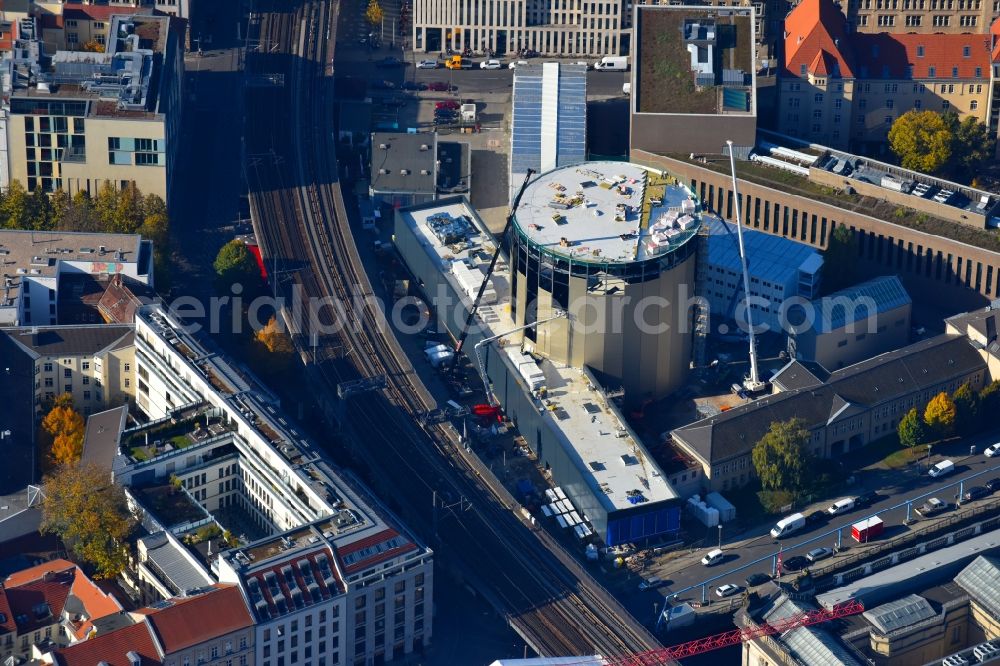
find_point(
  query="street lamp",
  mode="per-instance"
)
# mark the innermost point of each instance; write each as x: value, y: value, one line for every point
x: 720, y: 535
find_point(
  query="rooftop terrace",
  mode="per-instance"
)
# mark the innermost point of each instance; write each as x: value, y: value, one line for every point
x: 607, y: 211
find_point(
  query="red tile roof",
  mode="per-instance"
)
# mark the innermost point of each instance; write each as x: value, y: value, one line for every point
x: 885, y: 56
x: 112, y: 648
x: 816, y: 26
x: 995, y: 32
x: 381, y: 550
x: 816, y: 39
x: 192, y: 620
x: 52, y: 583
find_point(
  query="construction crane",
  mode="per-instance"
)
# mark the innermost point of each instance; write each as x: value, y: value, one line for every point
x: 751, y: 383
x: 736, y: 636
x: 489, y: 271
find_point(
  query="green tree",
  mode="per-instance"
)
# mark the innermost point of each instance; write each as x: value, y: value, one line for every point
x: 234, y: 264
x: 39, y: 210
x: 14, y: 206
x: 105, y: 206
x: 79, y: 215
x: 840, y: 259
x: 61, y: 202
x: 781, y: 458
x: 911, y: 429
x: 922, y: 140
x: 972, y: 148
x: 940, y: 414
x: 374, y: 13
x: 90, y: 513
x: 127, y: 216
x: 989, y: 399
x: 966, y: 409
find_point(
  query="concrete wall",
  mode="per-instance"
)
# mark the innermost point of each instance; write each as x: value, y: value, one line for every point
x: 945, y: 272
x: 683, y: 133
x: 882, y: 332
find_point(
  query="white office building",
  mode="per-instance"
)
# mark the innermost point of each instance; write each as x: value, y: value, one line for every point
x: 329, y: 574
x: 779, y: 269
x: 573, y: 28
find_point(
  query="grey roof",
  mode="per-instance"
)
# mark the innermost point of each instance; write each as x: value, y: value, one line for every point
x: 70, y: 340
x: 900, y: 613
x: 984, y: 322
x: 769, y: 257
x: 798, y: 374
x: 933, y: 568
x: 414, y: 154
x: 100, y: 441
x: 848, y: 391
x: 881, y: 294
x: 179, y: 570
x: 981, y: 580
x: 811, y: 644
x: 17, y: 393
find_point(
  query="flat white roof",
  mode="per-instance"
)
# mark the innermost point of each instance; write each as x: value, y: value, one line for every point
x: 593, y: 212
x: 617, y: 463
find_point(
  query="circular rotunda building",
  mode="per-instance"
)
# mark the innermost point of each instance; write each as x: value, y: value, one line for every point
x: 612, y: 244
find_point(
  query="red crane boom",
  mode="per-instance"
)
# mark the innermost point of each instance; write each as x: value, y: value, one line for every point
x: 736, y: 636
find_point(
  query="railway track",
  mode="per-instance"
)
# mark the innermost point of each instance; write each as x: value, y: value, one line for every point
x: 302, y: 226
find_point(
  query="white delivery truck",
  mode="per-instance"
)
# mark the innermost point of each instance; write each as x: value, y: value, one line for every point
x: 612, y: 64
x: 786, y: 526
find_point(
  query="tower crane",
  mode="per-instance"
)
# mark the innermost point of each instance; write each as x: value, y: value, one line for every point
x: 751, y: 383
x: 489, y: 271
x: 736, y: 636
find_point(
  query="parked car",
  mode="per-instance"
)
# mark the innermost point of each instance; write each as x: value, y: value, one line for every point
x: 753, y: 580
x: 993, y: 485
x: 974, y: 493
x: 446, y: 113
x: 490, y: 64
x: 468, y: 64
x: 867, y: 499
x: 383, y: 85
x: 413, y: 85
x: 514, y: 64
x: 447, y: 104
x: 932, y: 507
x: 588, y: 65
x: 786, y: 526
x: 992, y: 450
x: 727, y: 590
x: 713, y: 557
x: 428, y: 64
x: 438, y: 86
x: 794, y: 563
x: 390, y: 62
x: 650, y: 583
x: 817, y: 518
x: 817, y: 554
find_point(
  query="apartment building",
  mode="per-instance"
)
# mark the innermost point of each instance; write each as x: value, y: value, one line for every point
x: 51, y: 604
x: 91, y: 118
x: 329, y: 575
x: 845, y: 90
x: 567, y: 28
x: 94, y: 364
x: 208, y: 625
x: 180, y: 8
x: 39, y: 266
x: 921, y: 16
x: 80, y: 25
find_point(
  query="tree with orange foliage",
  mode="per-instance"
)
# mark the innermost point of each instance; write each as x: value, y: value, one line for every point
x: 66, y: 427
x: 93, y: 46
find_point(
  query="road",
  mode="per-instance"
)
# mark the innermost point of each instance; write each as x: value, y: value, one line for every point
x: 302, y: 224
x: 912, y: 486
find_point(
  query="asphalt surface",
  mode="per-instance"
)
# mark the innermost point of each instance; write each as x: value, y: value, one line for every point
x: 756, y: 552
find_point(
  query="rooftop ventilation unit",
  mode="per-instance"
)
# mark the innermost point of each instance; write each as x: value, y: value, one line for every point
x: 383, y: 146
x: 383, y: 171
x: 424, y: 146
x: 404, y: 172
x: 425, y: 172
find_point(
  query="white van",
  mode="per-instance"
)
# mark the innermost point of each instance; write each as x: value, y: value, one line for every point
x: 841, y: 506
x: 713, y: 557
x: 612, y: 64
x: 786, y: 526
x: 943, y: 468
